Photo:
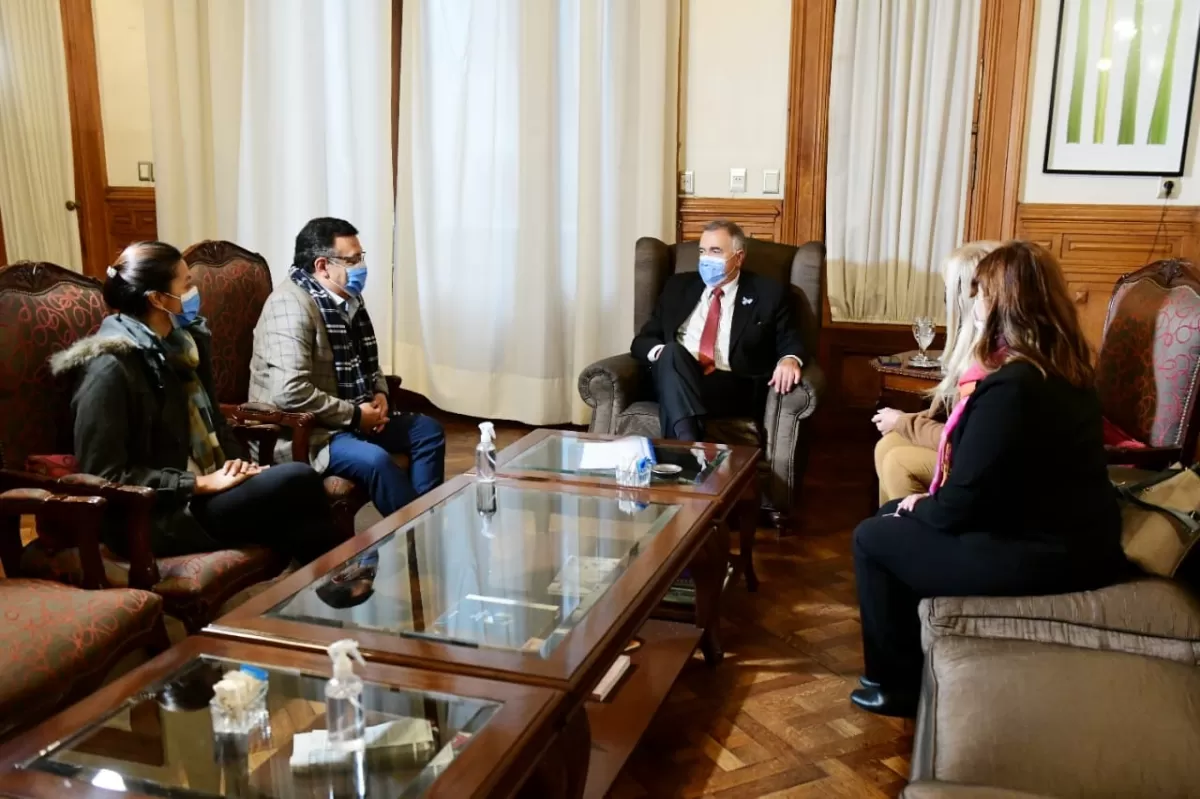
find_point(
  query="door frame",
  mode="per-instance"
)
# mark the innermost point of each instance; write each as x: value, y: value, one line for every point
x: 87, y: 134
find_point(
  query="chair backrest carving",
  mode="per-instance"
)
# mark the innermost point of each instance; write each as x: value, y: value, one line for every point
x: 44, y: 308
x: 1148, y: 370
x: 234, y: 285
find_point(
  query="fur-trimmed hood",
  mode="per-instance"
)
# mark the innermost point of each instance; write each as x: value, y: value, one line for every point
x: 108, y: 340
x: 118, y: 336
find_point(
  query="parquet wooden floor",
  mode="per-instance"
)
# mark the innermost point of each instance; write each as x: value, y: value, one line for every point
x: 774, y: 719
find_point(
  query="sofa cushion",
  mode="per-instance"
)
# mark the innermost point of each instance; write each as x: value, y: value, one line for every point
x: 193, y: 587
x: 61, y: 641
x: 1058, y: 720
x: 1147, y: 616
x: 952, y: 790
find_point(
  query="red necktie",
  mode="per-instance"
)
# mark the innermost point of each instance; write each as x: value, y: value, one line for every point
x: 708, y: 339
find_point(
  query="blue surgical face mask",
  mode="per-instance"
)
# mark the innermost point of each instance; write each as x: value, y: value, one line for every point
x: 190, y: 303
x: 356, y: 279
x: 712, y: 269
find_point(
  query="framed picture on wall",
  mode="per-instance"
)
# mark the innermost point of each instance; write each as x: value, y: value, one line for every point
x: 1124, y: 81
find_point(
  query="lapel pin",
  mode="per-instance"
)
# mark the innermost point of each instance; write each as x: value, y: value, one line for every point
x: 747, y: 300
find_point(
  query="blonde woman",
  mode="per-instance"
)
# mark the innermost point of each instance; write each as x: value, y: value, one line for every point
x: 905, y: 456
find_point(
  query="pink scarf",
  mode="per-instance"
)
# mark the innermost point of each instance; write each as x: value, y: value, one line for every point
x: 966, y: 387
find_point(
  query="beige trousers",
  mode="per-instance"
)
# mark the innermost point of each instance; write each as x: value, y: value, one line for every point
x: 903, y: 467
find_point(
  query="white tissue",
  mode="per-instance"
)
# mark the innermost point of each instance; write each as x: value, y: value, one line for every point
x: 312, y: 749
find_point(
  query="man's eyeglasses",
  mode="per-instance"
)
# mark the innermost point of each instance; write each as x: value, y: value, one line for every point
x: 353, y: 260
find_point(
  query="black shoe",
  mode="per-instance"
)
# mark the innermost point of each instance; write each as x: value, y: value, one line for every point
x: 874, y: 700
x: 869, y: 684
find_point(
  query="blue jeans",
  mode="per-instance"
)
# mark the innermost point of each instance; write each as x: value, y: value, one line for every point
x: 365, y: 458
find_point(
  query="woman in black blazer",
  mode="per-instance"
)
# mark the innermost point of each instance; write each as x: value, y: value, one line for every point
x: 1024, y: 505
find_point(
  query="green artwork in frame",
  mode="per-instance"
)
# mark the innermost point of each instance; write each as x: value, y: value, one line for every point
x: 1123, y: 85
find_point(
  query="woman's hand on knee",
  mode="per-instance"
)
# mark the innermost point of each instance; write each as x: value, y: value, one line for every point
x: 910, y: 502
x: 885, y: 420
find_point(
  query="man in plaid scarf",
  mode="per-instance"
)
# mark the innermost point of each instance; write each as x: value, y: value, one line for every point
x: 315, y: 352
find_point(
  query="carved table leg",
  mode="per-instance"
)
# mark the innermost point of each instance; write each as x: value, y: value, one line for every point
x: 746, y: 516
x: 709, y: 569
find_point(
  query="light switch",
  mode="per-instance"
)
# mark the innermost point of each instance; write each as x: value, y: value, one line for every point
x: 770, y: 181
x: 737, y: 179
x: 146, y: 171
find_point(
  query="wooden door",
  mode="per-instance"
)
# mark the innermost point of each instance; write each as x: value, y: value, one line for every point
x: 109, y: 217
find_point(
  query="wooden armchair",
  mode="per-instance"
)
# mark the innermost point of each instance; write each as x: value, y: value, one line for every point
x: 44, y: 309
x: 61, y: 641
x: 234, y: 285
x: 1148, y: 371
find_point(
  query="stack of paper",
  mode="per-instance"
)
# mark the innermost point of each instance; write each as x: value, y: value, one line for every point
x: 608, y: 455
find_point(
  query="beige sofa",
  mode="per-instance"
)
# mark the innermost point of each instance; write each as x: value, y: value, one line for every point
x: 1094, y: 694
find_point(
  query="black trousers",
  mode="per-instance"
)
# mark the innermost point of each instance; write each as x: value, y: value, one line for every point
x: 683, y: 391
x: 283, y: 508
x: 899, y: 561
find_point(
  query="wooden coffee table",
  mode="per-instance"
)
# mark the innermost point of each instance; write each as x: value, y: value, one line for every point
x: 727, y: 474
x: 150, y: 733
x: 530, y: 582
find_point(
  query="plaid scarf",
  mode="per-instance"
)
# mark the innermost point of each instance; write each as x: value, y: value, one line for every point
x: 179, y: 352
x: 355, y: 353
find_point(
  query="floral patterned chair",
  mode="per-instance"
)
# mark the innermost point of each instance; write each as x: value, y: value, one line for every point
x: 234, y: 285
x: 1148, y: 370
x: 43, y: 309
x: 62, y: 641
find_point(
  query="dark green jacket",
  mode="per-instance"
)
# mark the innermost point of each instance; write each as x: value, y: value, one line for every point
x: 131, y: 426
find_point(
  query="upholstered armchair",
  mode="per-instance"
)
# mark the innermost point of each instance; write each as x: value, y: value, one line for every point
x: 44, y: 309
x: 234, y: 285
x: 1148, y: 370
x: 60, y: 641
x: 619, y: 392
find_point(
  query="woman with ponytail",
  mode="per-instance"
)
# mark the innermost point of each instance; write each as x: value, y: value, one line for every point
x: 145, y: 414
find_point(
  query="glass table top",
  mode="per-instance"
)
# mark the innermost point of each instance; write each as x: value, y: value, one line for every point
x: 160, y: 742
x: 562, y: 453
x: 494, y: 566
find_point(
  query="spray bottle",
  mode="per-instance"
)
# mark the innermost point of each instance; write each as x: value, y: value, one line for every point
x: 343, y: 698
x: 485, y: 454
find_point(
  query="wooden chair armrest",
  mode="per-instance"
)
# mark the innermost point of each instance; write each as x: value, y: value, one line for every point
x: 264, y: 435
x: 252, y: 414
x: 134, y: 506
x: 79, y: 517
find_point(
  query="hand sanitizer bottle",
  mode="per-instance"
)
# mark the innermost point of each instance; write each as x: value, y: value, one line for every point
x: 485, y: 454
x: 343, y: 698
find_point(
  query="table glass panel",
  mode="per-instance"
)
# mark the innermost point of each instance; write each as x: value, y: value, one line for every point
x: 493, y: 566
x: 160, y: 742
x: 562, y: 453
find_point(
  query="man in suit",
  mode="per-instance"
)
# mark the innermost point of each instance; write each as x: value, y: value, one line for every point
x: 715, y: 336
x: 315, y: 352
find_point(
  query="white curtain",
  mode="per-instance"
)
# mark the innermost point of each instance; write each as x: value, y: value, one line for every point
x: 37, y: 174
x: 269, y: 113
x: 536, y: 144
x: 901, y: 99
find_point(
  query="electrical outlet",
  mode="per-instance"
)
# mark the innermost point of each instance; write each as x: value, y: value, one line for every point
x: 687, y: 182
x: 737, y: 179
x: 1168, y: 188
x: 146, y: 171
x: 770, y: 181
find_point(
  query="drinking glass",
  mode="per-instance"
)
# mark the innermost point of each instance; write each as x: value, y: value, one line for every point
x: 923, y: 331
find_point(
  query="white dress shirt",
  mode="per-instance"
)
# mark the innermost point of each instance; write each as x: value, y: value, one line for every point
x: 690, y: 332
x: 348, y: 306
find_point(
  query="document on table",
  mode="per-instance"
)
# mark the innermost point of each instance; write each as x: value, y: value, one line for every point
x: 608, y: 455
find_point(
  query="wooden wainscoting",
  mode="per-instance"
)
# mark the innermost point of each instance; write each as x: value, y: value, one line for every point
x: 761, y: 218
x: 129, y: 216
x: 1096, y: 244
